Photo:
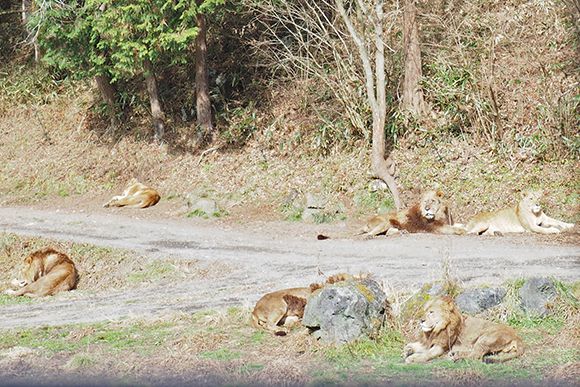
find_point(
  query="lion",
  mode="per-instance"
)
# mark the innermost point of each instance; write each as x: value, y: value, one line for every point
x: 279, y: 311
x: 45, y: 273
x: 526, y: 216
x: 445, y: 329
x: 136, y: 195
x: 430, y: 215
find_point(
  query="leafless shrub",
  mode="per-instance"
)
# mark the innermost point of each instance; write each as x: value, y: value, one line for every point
x: 307, y: 40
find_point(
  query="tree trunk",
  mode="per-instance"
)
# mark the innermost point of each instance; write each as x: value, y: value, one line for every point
x: 156, y: 111
x: 26, y: 7
x: 108, y: 93
x: 412, y: 93
x: 383, y: 167
x: 203, y: 104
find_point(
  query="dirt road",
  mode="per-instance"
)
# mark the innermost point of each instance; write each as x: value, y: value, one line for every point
x: 264, y: 257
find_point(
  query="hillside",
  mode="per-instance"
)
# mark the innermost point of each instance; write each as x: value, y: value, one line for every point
x: 274, y: 141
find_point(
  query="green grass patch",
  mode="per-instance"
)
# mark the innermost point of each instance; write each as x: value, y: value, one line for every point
x: 153, y: 271
x: 291, y: 212
x: 389, y: 343
x: 378, y: 201
x: 197, y: 213
x: 81, y: 360
x: 326, y: 217
x: 6, y: 299
x: 138, y: 336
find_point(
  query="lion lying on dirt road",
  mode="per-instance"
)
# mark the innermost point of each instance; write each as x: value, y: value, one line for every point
x: 45, y: 273
x: 430, y: 215
x: 526, y: 216
x: 444, y: 328
x: 281, y: 310
x: 136, y: 195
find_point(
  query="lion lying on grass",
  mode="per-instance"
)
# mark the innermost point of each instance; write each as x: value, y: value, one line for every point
x: 526, y: 216
x: 281, y: 310
x: 45, y: 273
x: 444, y: 328
x: 430, y: 215
x: 137, y: 195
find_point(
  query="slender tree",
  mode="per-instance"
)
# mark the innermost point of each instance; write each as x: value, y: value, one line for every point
x: 373, y: 17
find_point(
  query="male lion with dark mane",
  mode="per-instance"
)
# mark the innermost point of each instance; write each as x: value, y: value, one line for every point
x: 430, y: 215
x: 444, y: 328
x: 45, y: 273
x: 136, y: 195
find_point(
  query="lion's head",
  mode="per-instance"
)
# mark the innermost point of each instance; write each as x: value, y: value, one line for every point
x: 433, y: 206
x: 531, y: 202
x: 441, y: 322
x: 31, y: 270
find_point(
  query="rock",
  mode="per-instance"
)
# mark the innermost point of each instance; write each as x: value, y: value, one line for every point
x: 204, y: 206
x: 477, y: 300
x: 292, y: 198
x: 345, y: 311
x: 377, y: 185
x: 412, y: 309
x: 308, y: 214
x: 315, y: 201
x: 436, y: 289
x: 537, y: 294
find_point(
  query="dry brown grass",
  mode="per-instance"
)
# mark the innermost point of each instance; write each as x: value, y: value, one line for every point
x: 55, y: 147
x: 99, y: 268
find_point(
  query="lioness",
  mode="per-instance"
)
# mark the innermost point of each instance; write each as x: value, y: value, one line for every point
x: 45, y: 273
x: 431, y: 215
x: 526, y: 216
x: 280, y: 310
x: 444, y: 328
x: 136, y: 195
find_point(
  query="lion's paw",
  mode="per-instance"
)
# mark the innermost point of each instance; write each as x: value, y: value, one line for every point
x: 414, y: 359
x: 18, y: 283
x: 9, y: 291
x: 407, y: 351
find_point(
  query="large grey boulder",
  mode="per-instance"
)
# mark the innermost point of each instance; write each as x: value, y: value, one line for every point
x: 537, y: 294
x: 345, y: 311
x: 477, y: 300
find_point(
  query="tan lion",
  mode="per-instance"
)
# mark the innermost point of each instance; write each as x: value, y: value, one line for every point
x: 45, y: 273
x: 281, y: 310
x: 444, y: 328
x: 430, y: 215
x: 137, y: 195
x: 526, y: 216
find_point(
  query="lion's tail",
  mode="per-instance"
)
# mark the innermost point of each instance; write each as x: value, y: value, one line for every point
x: 518, y: 350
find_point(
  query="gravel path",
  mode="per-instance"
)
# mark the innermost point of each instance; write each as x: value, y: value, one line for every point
x: 263, y: 258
